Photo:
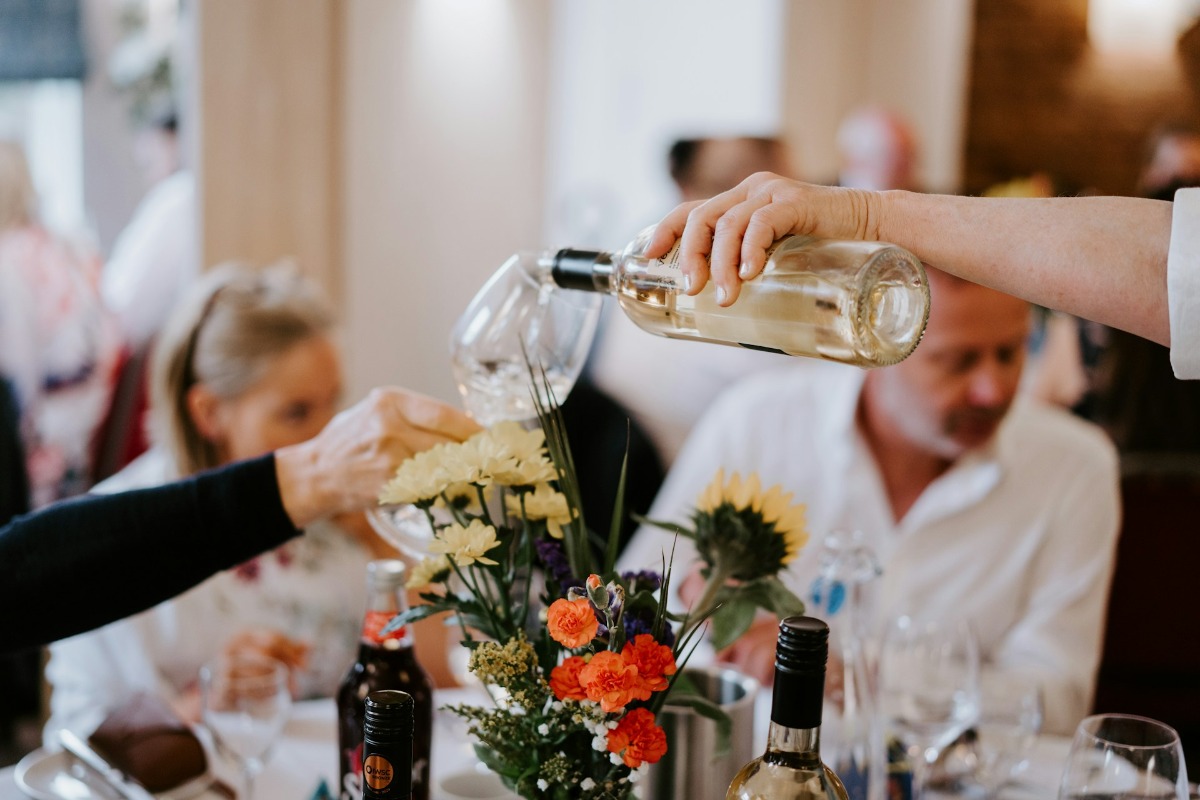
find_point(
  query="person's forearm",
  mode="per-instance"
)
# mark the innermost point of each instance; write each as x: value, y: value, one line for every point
x: 86, y: 562
x: 1102, y: 258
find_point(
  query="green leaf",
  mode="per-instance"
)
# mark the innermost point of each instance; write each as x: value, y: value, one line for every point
x: 414, y: 614
x: 618, y: 514
x: 730, y: 621
x: 672, y: 527
x: 780, y: 600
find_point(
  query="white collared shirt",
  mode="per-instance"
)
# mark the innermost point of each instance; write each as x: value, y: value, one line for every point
x: 1017, y: 537
x: 1183, y: 284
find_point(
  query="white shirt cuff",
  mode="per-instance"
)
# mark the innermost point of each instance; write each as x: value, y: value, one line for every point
x: 1183, y: 284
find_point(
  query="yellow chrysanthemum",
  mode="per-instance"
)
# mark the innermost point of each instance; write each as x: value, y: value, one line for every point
x: 527, y: 473
x: 429, y: 570
x: 522, y: 444
x: 543, y: 503
x: 420, y: 478
x: 466, y: 545
x: 464, y: 496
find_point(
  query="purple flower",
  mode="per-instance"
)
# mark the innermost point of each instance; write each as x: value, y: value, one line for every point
x: 642, y: 623
x: 554, y: 559
x: 644, y: 580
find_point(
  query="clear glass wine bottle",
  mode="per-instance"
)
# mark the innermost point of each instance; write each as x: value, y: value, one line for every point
x: 791, y: 768
x: 863, y: 303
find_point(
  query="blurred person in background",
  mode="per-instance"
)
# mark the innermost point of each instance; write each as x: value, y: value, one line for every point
x: 246, y: 366
x: 979, y: 506
x: 876, y: 149
x: 665, y: 385
x: 155, y: 259
x: 1172, y: 160
x: 59, y: 347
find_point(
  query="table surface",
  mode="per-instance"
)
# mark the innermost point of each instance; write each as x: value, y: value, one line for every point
x: 307, y: 754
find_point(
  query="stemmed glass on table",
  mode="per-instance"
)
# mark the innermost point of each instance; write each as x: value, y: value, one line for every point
x: 928, y: 688
x: 246, y: 702
x: 1010, y: 719
x: 1122, y: 757
x: 518, y: 320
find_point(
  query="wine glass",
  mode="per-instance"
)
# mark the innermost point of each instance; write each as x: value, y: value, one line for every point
x: 928, y: 687
x: 1010, y: 719
x: 519, y: 319
x: 1122, y: 757
x: 246, y: 702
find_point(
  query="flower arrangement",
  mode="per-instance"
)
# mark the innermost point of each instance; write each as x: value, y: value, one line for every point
x: 579, y: 666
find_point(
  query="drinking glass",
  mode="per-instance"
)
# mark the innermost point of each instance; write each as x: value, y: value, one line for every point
x: 246, y: 702
x: 928, y: 688
x: 517, y: 320
x: 1010, y: 719
x: 1122, y: 757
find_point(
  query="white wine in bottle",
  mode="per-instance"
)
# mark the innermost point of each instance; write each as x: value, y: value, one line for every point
x: 791, y: 768
x: 862, y: 303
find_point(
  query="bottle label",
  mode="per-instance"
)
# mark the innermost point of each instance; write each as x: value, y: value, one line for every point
x: 378, y: 772
x: 373, y: 624
x: 666, y: 268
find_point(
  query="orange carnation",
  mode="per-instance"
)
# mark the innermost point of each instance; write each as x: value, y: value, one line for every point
x: 654, y: 662
x: 637, y: 739
x: 564, y: 679
x: 609, y: 680
x: 572, y: 623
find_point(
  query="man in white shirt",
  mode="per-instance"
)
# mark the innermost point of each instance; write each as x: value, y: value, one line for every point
x: 1126, y: 262
x: 1002, y: 514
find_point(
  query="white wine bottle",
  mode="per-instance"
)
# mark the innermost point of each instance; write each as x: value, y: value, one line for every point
x: 791, y: 768
x: 862, y: 303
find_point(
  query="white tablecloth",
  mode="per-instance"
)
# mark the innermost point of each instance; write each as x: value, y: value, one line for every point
x: 307, y: 754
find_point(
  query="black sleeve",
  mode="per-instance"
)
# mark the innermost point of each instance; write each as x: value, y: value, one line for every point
x: 83, y: 563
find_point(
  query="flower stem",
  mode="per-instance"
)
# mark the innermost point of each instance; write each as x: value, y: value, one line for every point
x: 703, y: 608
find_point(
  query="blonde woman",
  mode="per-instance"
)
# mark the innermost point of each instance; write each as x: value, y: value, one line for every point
x: 59, y: 347
x: 246, y: 366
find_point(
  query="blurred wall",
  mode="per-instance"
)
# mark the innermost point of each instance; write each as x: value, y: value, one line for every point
x: 1044, y: 99
x: 443, y: 154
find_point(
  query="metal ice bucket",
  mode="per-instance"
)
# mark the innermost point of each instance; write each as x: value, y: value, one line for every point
x: 691, y: 767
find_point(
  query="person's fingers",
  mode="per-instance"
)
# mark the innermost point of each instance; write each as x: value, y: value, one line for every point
x: 725, y: 261
x: 435, y: 416
x: 766, y: 225
x: 669, y: 229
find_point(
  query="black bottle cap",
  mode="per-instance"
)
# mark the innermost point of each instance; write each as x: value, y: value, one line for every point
x: 389, y: 713
x: 800, y: 656
x: 575, y: 269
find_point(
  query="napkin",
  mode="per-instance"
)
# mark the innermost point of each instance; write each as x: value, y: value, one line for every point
x: 144, y: 739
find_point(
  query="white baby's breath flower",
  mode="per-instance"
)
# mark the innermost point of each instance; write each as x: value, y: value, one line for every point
x: 542, y: 784
x: 544, y: 729
x: 466, y: 545
x: 542, y: 503
x: 587, y: 784
x: 616, y: 759
x: 599, y: 743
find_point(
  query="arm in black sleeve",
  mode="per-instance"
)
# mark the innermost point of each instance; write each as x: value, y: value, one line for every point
x: 86, y: 562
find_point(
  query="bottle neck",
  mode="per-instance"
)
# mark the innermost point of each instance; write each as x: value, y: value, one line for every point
x: 584, y: 270
x: 782, y: 740
x: 382, y: 606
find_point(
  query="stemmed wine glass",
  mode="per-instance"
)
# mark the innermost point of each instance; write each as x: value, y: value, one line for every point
x: 246, y: 701
x: 928, y: 688
x: 1010, y: 719
x: 1122, y: 757
x: 517, y: 320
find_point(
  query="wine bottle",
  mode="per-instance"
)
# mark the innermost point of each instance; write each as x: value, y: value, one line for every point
x: 385, y: 661
x: 863, y: 303
x: 792, y: 767
x: 388, y: 746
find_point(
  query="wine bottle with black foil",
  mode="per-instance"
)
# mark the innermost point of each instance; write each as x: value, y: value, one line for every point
x: 384, y: 662
x: 791, y: 768
x: 862, y: 303
x: 388, y: 746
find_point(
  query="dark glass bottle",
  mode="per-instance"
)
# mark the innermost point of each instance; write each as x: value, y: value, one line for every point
x: 388, y: 746
x: 384, y: 662
x: 792, y: 767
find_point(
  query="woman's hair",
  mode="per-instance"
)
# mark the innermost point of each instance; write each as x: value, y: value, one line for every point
x: 18, y: 201
x: 225, y: 334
